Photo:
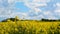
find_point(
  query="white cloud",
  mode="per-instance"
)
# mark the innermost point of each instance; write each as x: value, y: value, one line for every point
x: 44, y: 1
x: 13, y: 14
x: 34, y: 7
x: 52, y: 17
x: 37, y: 10
x: 58, y: 4
x: 11, y: 1
x: 9, y: 12
x: 35, y: 4
x: 40, y: 16
x: 57, y: 11
x: 47, y: 13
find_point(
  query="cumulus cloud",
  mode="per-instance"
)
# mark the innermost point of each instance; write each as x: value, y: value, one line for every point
x: 57, y: 12
x: 34, y: 11
x: 11, y: 1
x: 44, y: 1
x: 49, y: 15
x: 35, y: 4
x: 58, y: 4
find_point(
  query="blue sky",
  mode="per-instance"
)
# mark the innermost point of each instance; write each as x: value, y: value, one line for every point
x: 30, y: 9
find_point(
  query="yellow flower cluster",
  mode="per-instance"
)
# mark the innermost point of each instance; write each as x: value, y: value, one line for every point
x: 29, y: 27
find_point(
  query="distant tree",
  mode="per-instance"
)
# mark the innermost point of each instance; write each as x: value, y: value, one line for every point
x: 45, y: 20
x: 50, y: 20
x: 10, y: 19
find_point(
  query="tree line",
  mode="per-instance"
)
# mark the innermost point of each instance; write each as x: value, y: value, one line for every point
x: 50, y: 20
x: 15, y: 19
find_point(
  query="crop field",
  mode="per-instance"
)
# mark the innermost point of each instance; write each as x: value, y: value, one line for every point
x: 29, y: 27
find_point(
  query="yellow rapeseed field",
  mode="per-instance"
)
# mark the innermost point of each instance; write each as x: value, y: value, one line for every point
x: 29, y: 27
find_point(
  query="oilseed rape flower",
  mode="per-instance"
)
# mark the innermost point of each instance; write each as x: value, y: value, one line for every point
x: 29, y: 27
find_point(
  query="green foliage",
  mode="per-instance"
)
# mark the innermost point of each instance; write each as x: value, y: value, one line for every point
x: 10, y: 19
x: 49, y: 20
